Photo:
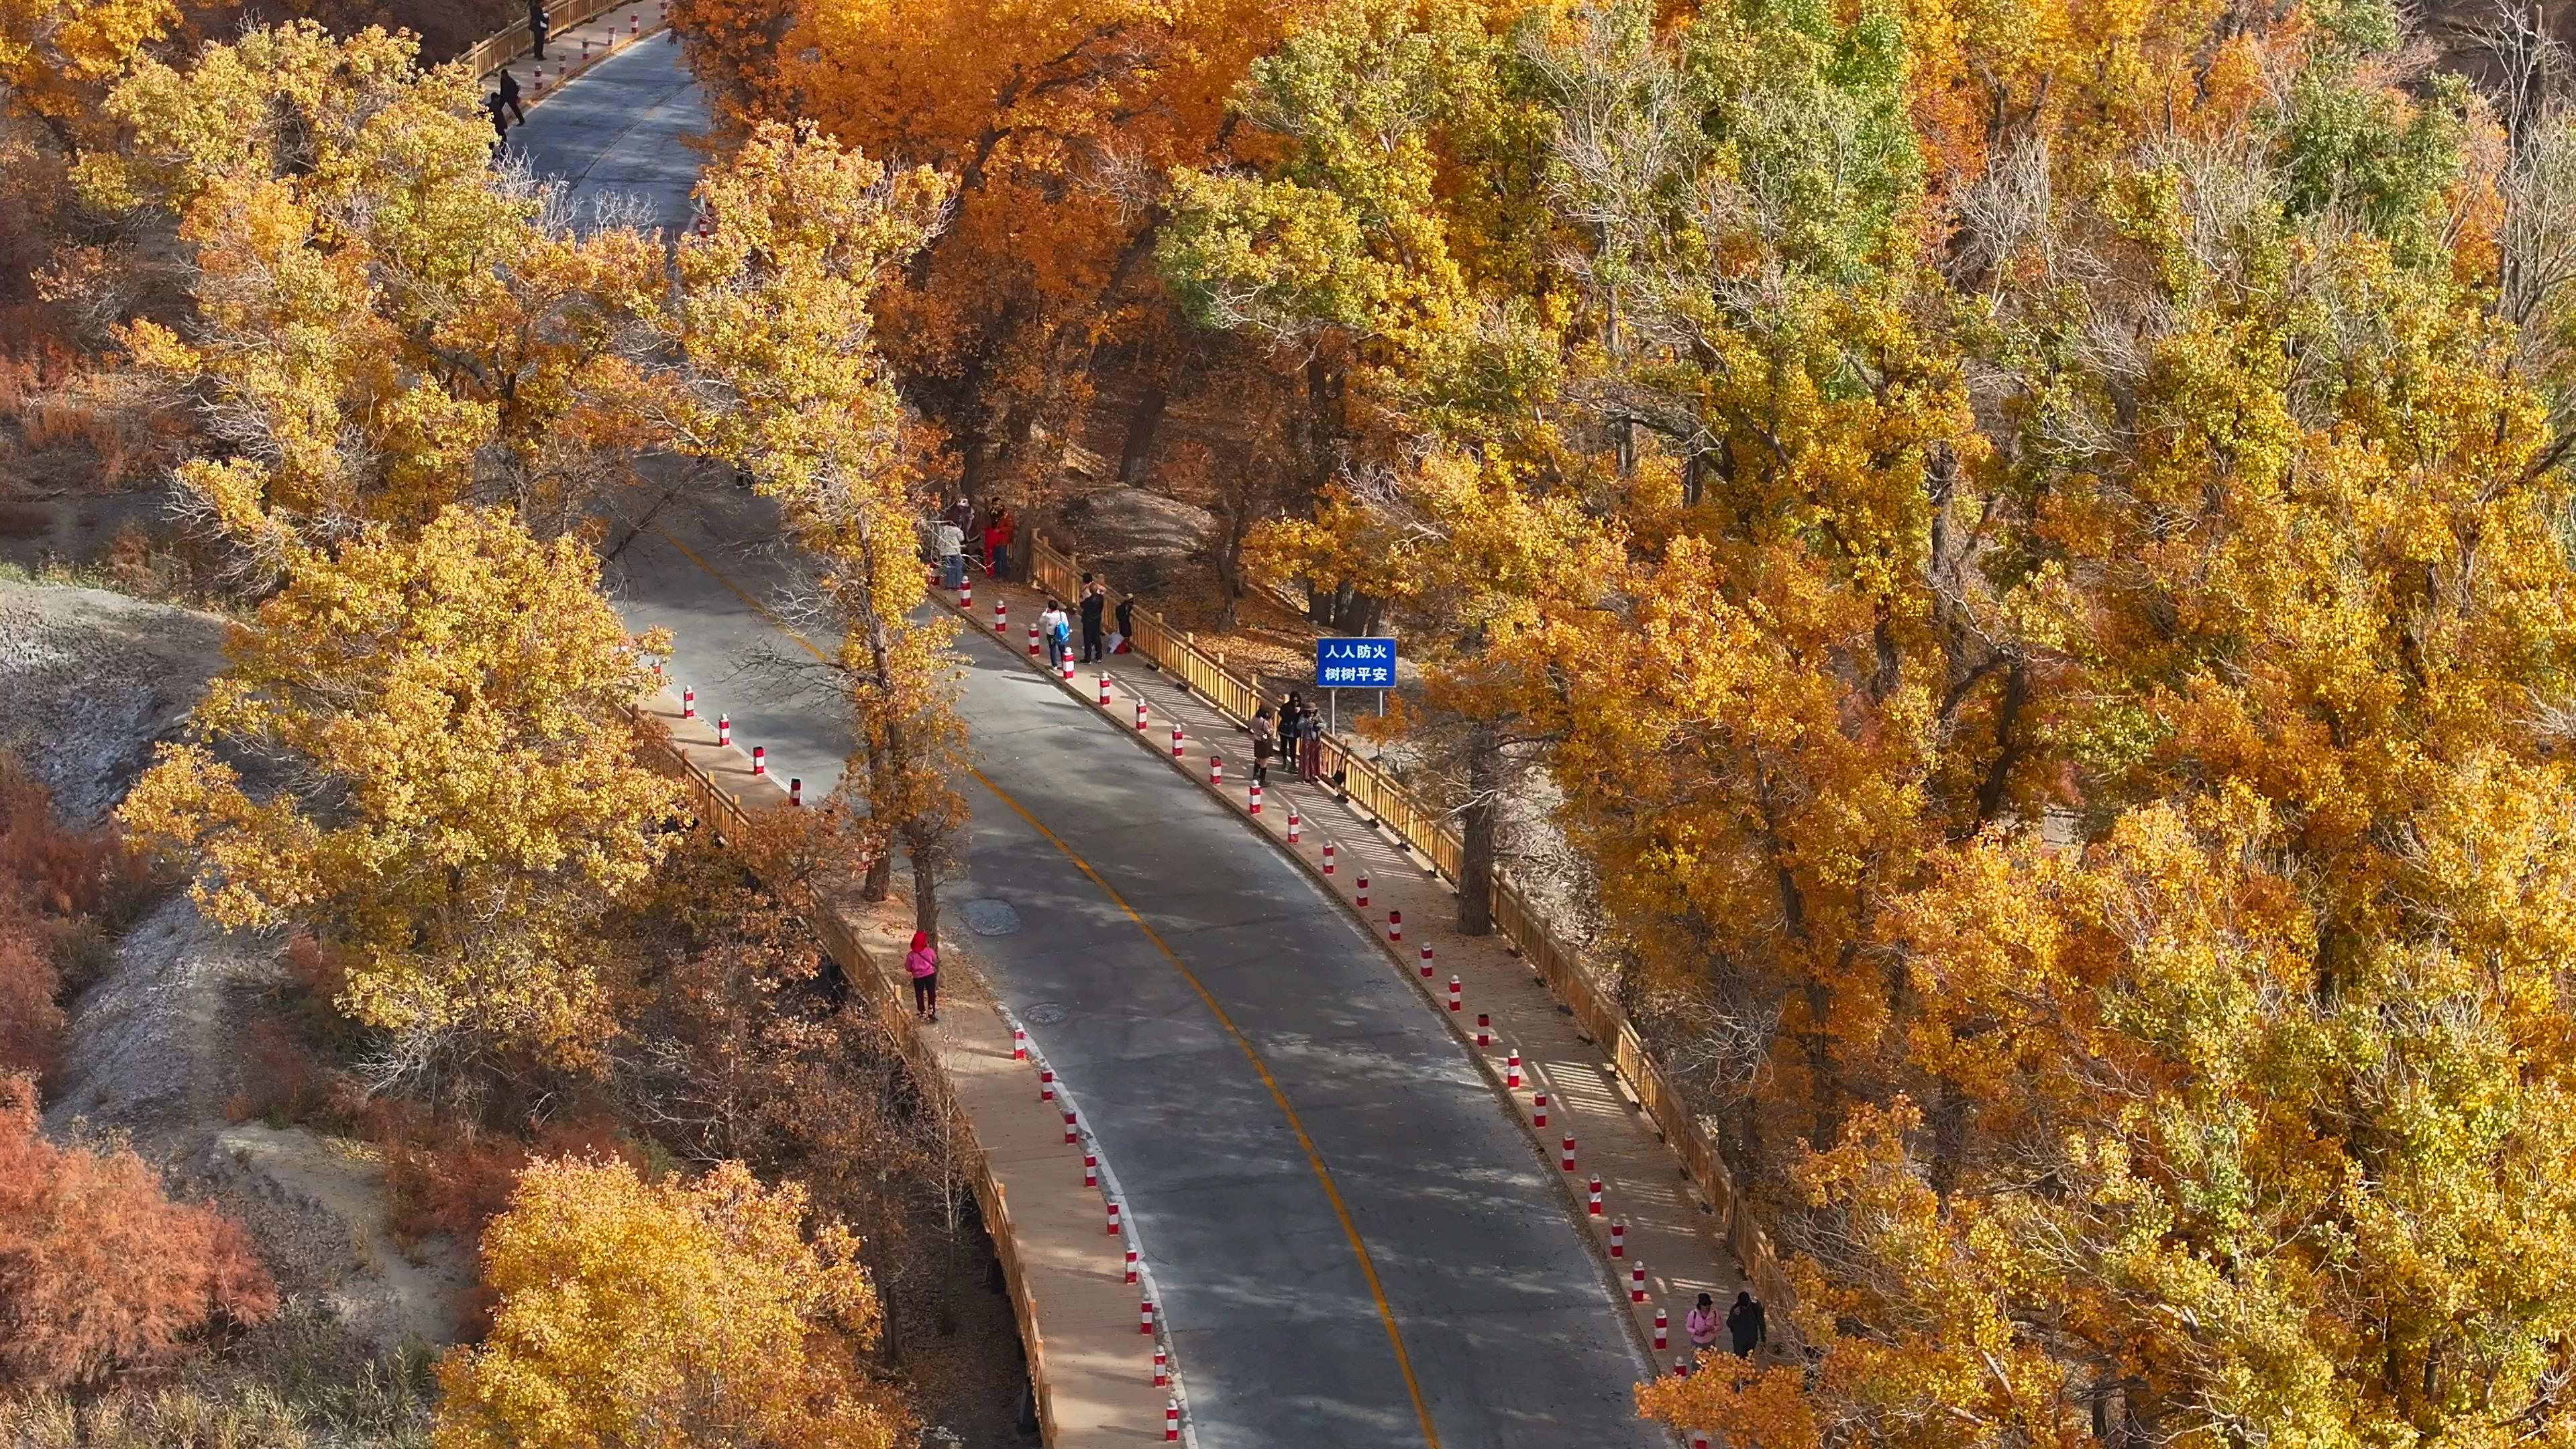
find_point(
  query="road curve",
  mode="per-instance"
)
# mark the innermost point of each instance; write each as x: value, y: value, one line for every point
x: 1357, y: 1245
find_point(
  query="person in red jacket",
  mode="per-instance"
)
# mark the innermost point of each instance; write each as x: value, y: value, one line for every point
x: 923, y: 962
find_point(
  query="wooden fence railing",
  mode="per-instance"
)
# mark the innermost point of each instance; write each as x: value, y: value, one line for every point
x: 511, y: 41
x: 725, y: 811
x: 1427, y: 832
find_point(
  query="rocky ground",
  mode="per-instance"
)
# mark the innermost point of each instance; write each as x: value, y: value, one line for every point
x: 156, y: 1050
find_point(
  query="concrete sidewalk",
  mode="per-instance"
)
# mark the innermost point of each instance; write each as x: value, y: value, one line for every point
x: 1665, y: 1227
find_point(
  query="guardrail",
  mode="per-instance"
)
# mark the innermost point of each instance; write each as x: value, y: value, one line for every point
x: 511, y: 41
x: 710, y: 801
x: 1425, y: 831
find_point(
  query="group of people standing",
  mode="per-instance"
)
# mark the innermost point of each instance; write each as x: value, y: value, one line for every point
x: 504, y: 103
x: 1296, y: 731
x: 1055, y: 626
x: 957, y: 526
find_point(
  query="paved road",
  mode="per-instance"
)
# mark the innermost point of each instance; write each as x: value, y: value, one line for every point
x: 1315, y: 1169
x: 621, y: 129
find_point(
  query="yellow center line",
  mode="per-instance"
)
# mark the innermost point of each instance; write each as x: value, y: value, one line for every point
x: 1296, y: 1124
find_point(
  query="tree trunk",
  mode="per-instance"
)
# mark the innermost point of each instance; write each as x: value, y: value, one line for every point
x: 925, y: 890
x: 880, y: 879
x: 1142, y: 424
x: 1477, y: 827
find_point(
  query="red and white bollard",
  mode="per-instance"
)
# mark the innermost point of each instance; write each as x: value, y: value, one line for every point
x: 1144, y: 716
x: 1698, y: 1440
x: 688, y: 703
x: 1661, y: 1331
x: 1046, y: 1084
x: 1565, y: 1153
x: 1171, y: 1421
x: 1512, y: 1070
x: 1064, y: 667
x: 760, y: 759
x: 1033, y: 641
x: 1162, y: 1368
x: 1104, y: 691
x: 1178, y: 742
x: 1538, y: 1109
x: 1363, y: 889
x: 1131, y: 1265
x: 1090, y: 1168
x: 1328, y: 857
x: 1596, y: 1197
x: 1637, y: 1283
x: 1019, y: 1044
x: 585, y: 50
x: 1115, y: 1227
x: 965, y: 593
x: 796, y: 792
x: 1294, y: 820
x: 1484, y: 1030
x: 1457, y: 1002
x: 1145, y: 1316
x: 1681, y: 1366
x: 1072, y: 1128
x: 1001, y: 615
x: 635, y: 24
x: 1254, y: 806
x: 1618, y: 1240
x: 1216, y: 769
x: 1426, y: 960
x: 724, y: 729
x: 1395, y: 925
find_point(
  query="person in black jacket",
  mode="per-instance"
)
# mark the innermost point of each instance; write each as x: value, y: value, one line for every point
x: 538, y: 22
x: 1095, y: 598
x: 1126, y: 625
x: 500, y: 122
x: 510, y: 95
x: 1744, y: 1327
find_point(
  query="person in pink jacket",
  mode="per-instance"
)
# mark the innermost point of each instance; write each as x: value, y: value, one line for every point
x: 923, y: 962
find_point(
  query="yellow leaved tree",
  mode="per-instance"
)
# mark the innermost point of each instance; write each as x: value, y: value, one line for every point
x: 774, y: 323
x: 443, y: 780
x: 666, y: 1315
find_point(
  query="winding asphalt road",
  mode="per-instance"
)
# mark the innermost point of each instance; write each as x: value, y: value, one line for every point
x: 1356, y: 1245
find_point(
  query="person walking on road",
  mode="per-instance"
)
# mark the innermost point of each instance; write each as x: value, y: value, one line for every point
x: 922, y: 961
x: 952, y: 555
x: 1700, y: 1324
x: 1265, y: 738
x: 538, y: 23
x: 1744, y: 1326
x: 1057, y: 631
x: 1095, y: 599
x: 510, y: 95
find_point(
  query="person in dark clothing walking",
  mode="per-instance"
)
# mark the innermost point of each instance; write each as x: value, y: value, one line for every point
x: 1095, y: 599
x: 510, y: 95
x: 538, y: 22
x: 500, y: 123
x: 1126, y: 625
x: 1744, y: 1327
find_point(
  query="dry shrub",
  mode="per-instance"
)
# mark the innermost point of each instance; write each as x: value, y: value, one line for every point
x: 34, y: 369
x: 31, y: 1017
x: 61, y: 890
x: 56, y: 420
x: 100, y: 1271
x: 443, y: 1176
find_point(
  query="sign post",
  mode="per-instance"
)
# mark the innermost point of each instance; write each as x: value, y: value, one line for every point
x: 1361, y: 663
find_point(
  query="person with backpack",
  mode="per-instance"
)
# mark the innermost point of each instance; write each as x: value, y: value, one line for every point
x: 922, y: 962
x: 1057, y: 630
x: 1700, y: 1325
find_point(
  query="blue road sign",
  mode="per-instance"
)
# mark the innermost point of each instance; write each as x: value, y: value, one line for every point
x: 1355, y: 663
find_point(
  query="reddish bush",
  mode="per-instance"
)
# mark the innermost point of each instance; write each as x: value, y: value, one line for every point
x: 443, y: 1178
x: 55, y: 884
x: 99, y: 1269
x: 31, y: 1021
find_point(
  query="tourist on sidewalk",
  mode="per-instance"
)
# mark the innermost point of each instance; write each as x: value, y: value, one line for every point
x: 1265, y: 739
x: 952, y: 555
x: 923, y: 962
x: 1095, y: 599
x: 961, y: 513
x: 538, y: 26
x: 994, y: 540
x: 510, y: 95
x: 1700, y: 1326
x: 500, y: 123
x: 1744, y: 1326
x: 1126, y: 625
x: 1310, y: 748
x: 1057, y: 630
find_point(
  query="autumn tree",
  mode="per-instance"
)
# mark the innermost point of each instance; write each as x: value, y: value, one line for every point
x: 775, y: 325
x: 445, y: 786
x: 99, y: 1270
x: 56, y: 56
x: 382, y: 324
x: 669, y: 1313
